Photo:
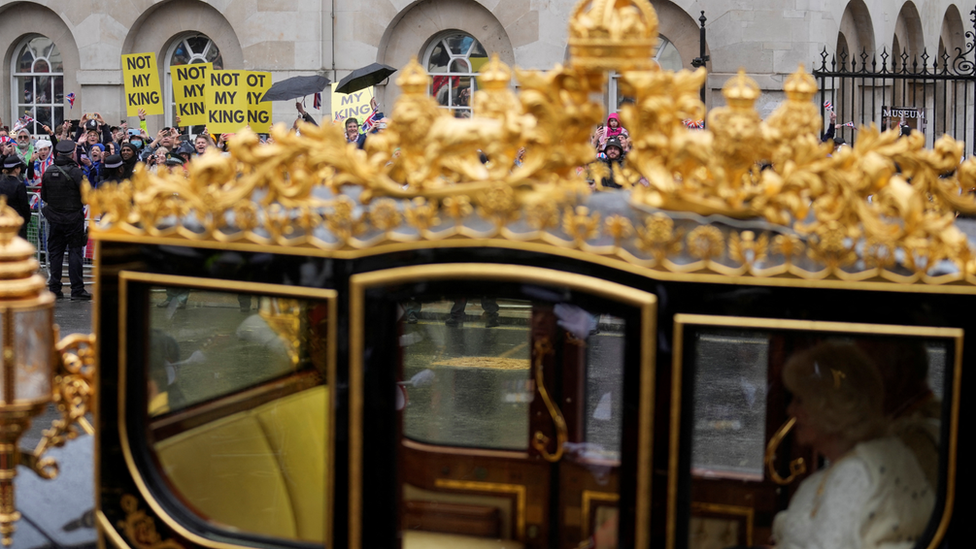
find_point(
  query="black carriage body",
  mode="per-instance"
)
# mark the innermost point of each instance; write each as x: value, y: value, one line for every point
x: 657, y: 495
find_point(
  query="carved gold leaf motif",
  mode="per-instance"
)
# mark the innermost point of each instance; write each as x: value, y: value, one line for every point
x: 883, y: 209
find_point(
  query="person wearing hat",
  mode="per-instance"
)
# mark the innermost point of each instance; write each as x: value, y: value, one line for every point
x: 14, y: 189
x: 65, y: 214
x: 40, y: 162
x: 113, y: 169
x: 174, y: 164
x: 614, y: 159
x: 130, y: 157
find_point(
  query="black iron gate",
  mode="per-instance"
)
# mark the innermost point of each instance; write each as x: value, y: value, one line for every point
x: 935, y: 96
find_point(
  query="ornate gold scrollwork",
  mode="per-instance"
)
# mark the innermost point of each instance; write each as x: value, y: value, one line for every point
x: 539, y: 440
x: 797, y: 467
x: 140, y: 528
x: 74, y: 384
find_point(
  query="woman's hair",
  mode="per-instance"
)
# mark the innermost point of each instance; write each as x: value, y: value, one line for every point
x: 841, y: 390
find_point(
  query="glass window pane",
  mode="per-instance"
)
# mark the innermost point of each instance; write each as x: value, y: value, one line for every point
x: 180, y: 56
x: 26, y: 61
x: 460, y: 65
x: 225, y: 342
x: 43, y: 89
x: 730, y: 402
x: 459, y: 43
x: 604, y: 390
x: 668, y: 57
x: 437, y: 62
x: 466, y: 387
x: 441, y: 89
x: 56, y: 63
x: 41, y: 66
x: 32, y: 347
x: 26, y: 83
x: 198, y: 43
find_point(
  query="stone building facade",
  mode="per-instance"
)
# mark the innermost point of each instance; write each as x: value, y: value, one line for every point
x: 53, y: 47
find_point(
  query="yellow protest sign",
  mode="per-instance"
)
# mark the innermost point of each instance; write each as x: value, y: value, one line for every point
x: 351, y: 105
x: 189, y: 85
x: 258, y: 112
x: 142, y: 89
x: 226, y: 101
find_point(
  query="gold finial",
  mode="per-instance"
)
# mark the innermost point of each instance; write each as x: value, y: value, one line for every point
x: 613, y: 35
x: 800, y: 86
x: 18, y: 268
x: 10, y: 221
x: 496, y: 75
x: 413, y: 78
x: 741, y: 91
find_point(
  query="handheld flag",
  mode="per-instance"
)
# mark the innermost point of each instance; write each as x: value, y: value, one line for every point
x: 317, y: 101
x: 828, y: 106
x: 71, y: 100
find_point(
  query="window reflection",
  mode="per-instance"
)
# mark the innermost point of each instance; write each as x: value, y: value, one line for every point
x: 238, y: 400
x: 483, y: 383
x: 861, y: 402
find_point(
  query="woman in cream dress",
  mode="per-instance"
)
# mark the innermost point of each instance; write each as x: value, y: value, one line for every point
x: 873, y: 494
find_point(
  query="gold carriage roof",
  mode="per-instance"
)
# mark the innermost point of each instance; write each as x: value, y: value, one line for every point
x: 745, y: 198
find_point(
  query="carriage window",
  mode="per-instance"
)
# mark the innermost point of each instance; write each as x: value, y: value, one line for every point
x: 508, y: 406
x: 787, y: 421
x: 466, y: 378
x: 237, y: 396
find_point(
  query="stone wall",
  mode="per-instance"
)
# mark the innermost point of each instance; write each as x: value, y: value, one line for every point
x: 768, y: 38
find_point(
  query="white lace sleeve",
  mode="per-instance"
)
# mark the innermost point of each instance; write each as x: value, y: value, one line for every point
x: 836, y: 524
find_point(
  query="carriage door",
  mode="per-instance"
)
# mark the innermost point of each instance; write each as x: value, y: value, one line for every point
x: 500, y: 407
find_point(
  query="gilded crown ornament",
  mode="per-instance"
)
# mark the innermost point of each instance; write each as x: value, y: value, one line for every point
x: 744, y: 197
x: 607, y: 35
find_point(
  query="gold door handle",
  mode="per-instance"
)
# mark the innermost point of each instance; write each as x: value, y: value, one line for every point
x: 797, y: 467
x: 540, y: 440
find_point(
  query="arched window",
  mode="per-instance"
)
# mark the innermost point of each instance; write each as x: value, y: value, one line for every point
x: 666, y: 56
x: 453, y: 61
x: 195, y: 48
x: 38, y: 84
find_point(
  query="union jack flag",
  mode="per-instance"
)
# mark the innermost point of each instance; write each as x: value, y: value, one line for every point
x: 849, y: 124
x: 828, y: 105
x: 317, y: 101
x: 23, y: 122
x: 370, y: 121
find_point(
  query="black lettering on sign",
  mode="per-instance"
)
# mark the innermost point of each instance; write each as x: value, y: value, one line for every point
x: 193, y: 90
x: 254, y: 117
x: 256, y: 80
x: 142, y: 98
x: 137, y: 62
x: 225, y: 117
x: 223, y: 79
x: 190, y: 72
x: 224, y: 98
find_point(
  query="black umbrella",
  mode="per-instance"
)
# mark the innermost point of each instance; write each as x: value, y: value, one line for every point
x: 294, y: 87
x: 365, y: 77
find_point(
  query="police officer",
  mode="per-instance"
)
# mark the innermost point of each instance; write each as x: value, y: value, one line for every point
x: 14, y: 189
x: 64, y: 211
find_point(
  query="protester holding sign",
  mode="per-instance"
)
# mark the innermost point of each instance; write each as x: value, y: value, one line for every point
x: 189, y: 92
x: 141, y: 78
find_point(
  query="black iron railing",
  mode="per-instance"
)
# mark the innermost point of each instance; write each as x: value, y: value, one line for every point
x: 935, y: 95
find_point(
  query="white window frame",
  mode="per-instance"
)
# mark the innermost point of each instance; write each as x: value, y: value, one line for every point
x: 16, y: 93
